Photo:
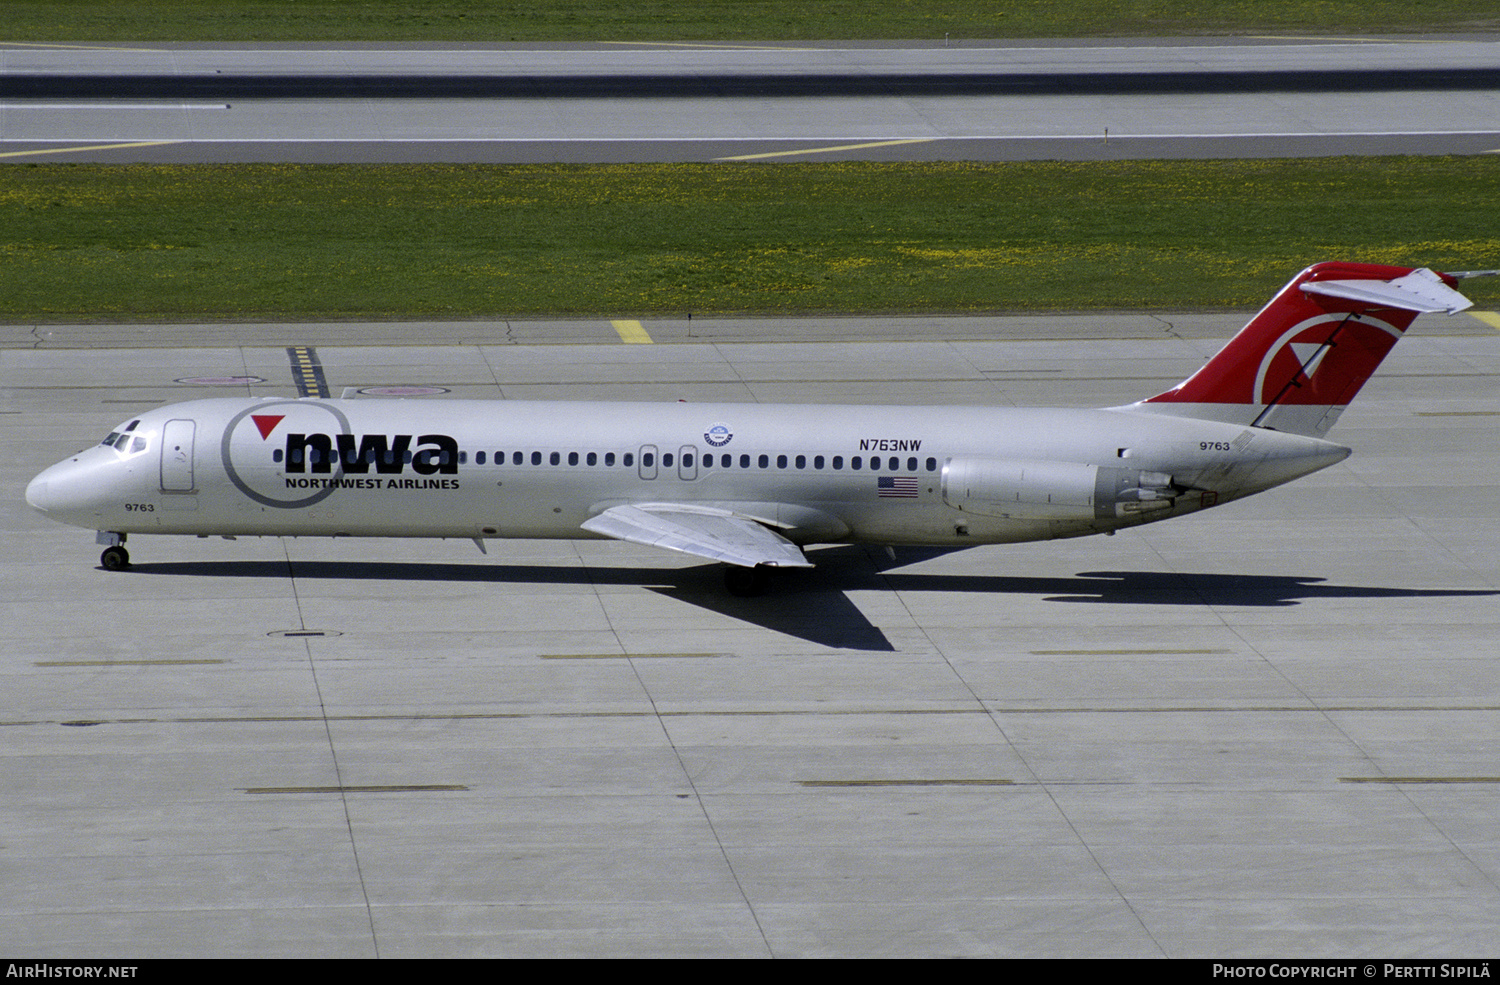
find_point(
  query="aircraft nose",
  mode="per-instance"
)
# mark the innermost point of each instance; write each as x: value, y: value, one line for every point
x: 37, y: 496
x: 73, y: 491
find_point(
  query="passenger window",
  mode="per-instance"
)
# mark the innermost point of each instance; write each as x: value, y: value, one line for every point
x: 744, y: 461
x: 478, y: 458
x: 609, y: 458
x: 572, y: 458
x: 781, y: 461
x: 856, y: 462
x: 666, y: 460
x: 764, y: 461
x: 647, y: 460
x: 932, y: 465
x: 911, y: 465
x: 627, y: 459
x: 593, y: 458
x: 801, y: 461
x: 838, y: 462
x: 555, y: 458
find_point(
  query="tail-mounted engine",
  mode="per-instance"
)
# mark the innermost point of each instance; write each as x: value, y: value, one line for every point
x: 1025, y: 490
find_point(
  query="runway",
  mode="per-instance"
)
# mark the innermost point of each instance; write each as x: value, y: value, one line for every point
x: 1262, y: 730
x: 601, y: 103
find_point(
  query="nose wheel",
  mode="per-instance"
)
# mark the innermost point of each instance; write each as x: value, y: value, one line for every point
x: 115, y: 558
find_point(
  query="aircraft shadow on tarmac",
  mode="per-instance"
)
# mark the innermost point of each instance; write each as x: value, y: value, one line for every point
x: 813, y: 605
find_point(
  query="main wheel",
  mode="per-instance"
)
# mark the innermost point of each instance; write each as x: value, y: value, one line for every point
x: 115, y: 558
x: 745, y: 582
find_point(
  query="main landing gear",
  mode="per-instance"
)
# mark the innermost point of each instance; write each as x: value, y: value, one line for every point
x: 115, y: 556
x: 746, y: 582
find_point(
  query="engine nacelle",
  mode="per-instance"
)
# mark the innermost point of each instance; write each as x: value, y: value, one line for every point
x: 1037, y: 490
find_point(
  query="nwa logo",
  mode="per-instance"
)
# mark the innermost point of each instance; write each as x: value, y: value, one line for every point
x: 1323, y: 360
x: 357, y: 454
x: 296, y: 453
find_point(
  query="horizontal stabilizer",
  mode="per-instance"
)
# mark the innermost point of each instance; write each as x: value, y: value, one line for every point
x: 1421, y: 290
x: 710, y: 533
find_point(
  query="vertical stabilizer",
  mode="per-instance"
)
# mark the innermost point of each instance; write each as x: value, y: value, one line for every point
x: 1301, y: 360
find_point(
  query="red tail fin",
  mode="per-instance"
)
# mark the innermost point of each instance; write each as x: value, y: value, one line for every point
x: 1301, y: 360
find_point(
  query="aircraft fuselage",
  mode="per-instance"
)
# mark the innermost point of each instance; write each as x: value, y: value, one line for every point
x: 817, y: 473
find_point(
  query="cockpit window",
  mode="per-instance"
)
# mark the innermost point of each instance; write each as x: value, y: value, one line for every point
x: 126, y: 440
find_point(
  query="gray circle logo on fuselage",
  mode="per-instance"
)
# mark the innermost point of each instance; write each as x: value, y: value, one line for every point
x: 250, y: 431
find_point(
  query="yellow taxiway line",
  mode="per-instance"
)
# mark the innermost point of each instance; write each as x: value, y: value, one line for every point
x: 631, y: 331
x: 79, y: 150
x: 828, y: 150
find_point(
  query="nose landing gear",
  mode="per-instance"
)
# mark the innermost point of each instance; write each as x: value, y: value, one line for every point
x: 115, y: 556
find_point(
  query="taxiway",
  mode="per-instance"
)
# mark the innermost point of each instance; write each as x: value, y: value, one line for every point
x: 1262, y: 730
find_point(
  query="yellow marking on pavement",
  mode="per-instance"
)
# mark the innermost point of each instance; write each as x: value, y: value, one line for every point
x: 1335, y: 40
x: 124, y: 663
x: 1490, y: 318
x: 700, y: 44
x: 307, y: 373
x: 80, y: 150
x: 73, y: 47
x: 1419, y: 779
x: 631, y: 332
x: 626, y: 656
x: 1114, y: 653
x: 906, y: 783
x: 827, y: 150
x: 367, y: 788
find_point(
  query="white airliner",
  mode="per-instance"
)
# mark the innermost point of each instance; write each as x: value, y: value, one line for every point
x: 751, y: 484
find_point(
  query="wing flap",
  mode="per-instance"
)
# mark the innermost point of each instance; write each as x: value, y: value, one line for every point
x: 714, y: 534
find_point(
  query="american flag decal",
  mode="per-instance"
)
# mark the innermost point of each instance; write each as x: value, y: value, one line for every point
x: 896, y: 487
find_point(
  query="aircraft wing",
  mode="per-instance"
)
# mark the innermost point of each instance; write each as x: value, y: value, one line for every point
x: 715, y: 534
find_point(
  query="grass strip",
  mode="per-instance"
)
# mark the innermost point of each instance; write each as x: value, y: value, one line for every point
x: 157, y: 242
x: 476, y: 21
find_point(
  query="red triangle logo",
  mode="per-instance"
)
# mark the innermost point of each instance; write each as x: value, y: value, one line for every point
x: 267, y: 423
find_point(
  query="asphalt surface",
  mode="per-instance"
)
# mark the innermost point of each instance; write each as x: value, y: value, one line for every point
x: 620, y: 103
x: 1265, y: 730
x: 1262, y: 730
